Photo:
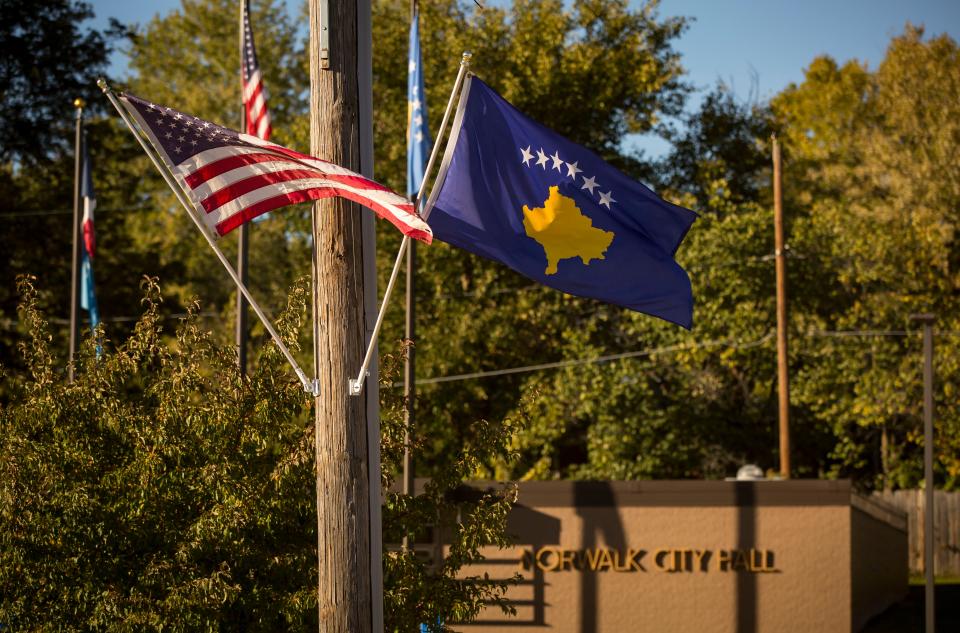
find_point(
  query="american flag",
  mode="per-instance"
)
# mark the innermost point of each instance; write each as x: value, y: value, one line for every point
x: 232, y: 178
x: 254, y: 94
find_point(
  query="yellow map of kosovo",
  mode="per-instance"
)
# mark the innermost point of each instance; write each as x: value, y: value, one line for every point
x: 564, y: 232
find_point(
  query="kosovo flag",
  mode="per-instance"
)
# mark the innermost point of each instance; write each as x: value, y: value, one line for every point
x: 513, y: 191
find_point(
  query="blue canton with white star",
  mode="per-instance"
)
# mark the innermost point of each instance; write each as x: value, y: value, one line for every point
x: 181, y: 135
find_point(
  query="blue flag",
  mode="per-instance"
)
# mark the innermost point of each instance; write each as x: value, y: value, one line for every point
x: 88, y: 299
x: 513, y: 191
x: 418, y: 134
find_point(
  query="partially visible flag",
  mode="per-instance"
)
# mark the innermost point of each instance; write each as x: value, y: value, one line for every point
x: 512, y: 190
x: 232, y: 178
x: 254, y: 93
x: 88, y: 298
x: 418, y: 132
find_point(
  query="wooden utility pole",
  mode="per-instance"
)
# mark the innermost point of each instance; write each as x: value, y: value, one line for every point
x: 783, y: 379
x: 343, y: 512
x: 77, y: 218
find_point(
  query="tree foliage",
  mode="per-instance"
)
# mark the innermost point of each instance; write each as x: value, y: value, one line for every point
x: 164, y: 490
x: 186, y: 483
x: 48, y: 61
x: 876, y: 188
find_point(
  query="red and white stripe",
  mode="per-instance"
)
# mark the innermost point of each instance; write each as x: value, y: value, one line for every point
x: 89, y: 239
x: 231, y: 184
x: 255, y: 105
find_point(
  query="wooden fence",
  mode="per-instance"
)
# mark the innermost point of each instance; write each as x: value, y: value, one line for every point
x: 946, y: 528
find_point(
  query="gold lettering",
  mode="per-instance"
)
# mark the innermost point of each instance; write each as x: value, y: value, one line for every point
x: 723, y: 560
x: 580, y: 560
x: 526, y: 560
x: 701, y: 559
x: 658, y: 559
x: 593, y: 558
x: 606, y: 560
x: 670, y: 560
x: 556, y: 562
x: 768, y: 563
x: 740, y: 560
x: 635, y: 556
x: 618, y: 562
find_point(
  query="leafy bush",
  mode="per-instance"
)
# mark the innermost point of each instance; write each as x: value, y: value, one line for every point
x: 164, y: 490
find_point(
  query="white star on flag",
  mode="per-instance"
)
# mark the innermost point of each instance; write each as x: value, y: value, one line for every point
x: 606, y: 198
x: 590, y: 183
x: 527, y: 156
x: 541, y: 158
x: 573, y: 170
x: 556, y: 161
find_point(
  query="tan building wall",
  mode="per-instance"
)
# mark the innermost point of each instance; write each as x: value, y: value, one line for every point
x: 698, y: 556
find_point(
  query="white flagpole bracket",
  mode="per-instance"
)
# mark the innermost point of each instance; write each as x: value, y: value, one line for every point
x: 355, y: 385
x: 309, y: 386
x: 324, y: 34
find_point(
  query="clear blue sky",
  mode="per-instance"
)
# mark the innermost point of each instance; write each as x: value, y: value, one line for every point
x: 757, y: 47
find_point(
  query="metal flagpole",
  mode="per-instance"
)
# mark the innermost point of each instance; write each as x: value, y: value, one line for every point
x: 409, y: 383
x: 928, y: 484
x: 308, y: 385
x: 356, y: 384
x: 409, y: 366
x: 75, y: 268
x: 243, y: 242
x: 368, y: 225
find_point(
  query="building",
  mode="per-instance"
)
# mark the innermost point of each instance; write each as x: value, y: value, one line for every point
x: 718, y: 556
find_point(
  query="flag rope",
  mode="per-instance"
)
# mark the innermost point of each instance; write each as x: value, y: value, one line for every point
x: 308, y: 385
x: 356, y: 384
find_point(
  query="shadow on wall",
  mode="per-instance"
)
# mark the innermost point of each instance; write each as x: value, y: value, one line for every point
x: 746, y: 590
x: 595, y: 503
x: 597, y: 507
x: 534, y: 530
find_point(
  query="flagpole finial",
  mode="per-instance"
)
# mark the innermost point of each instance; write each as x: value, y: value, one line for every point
x: 79, y: 103
x: 465, y: 59
x: 103, y: 85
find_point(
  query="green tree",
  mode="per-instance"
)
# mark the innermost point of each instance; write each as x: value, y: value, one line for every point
x: 158, y: 490
x: 874, y: 189
x: 544, y: 57
x: 163, y: 490
x: 723, y: 142
x: 48, y: 60
x: 593, y: 71
x: 203, y: 35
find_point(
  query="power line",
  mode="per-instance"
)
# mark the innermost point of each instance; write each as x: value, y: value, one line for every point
x: 728, y: 342
x: 845, y: 333
x: 11, y: 324
x: 595, y: 359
